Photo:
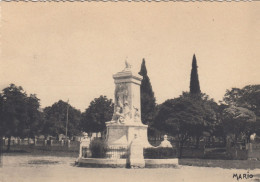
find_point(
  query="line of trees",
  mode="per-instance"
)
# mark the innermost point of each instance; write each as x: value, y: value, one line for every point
x: 21, y: 116
x: 192, y: 114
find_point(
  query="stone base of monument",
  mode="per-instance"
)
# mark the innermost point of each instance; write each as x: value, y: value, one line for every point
x: 161, y: 163
x: 120, y: 135
x: 121, y: 163
x: 101, y: 163
x: 125, y: 149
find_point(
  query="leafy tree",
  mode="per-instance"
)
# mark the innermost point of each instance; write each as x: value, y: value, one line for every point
x: 217, y: 129
x: 99, y: 111
x: 56, y: 118
x: 194, y: 78
x: 34, y: 118
x: 19, y: 114
x: 210, y: 114
x: 147, y: 97
x: 247, y: 97
x: 185, y: 117
x: 238, y: 121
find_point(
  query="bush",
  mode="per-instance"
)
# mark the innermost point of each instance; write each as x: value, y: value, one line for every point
x: 98, y: 148
x: 236, y: 154
x: 159, y: 153
x: 192, y: 152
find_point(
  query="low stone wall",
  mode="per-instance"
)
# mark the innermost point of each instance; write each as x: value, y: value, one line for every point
x: 160, y: 153
x: 101, y: 163
x: 254, y: 151
x: 229, y: 164
x: 121, y: 163
x: 161, y: 163
x: 42, y: 142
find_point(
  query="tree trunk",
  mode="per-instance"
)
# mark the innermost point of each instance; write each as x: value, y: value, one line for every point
x: 9, y: 144
x: 2, y: 145
x: 180, y: 149
x: 225, y: 140
x: 197, y: 142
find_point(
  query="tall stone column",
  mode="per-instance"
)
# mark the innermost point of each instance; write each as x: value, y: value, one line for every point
x: 126, y: 121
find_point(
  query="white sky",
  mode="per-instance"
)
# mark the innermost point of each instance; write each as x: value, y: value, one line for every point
x: 71, y: 50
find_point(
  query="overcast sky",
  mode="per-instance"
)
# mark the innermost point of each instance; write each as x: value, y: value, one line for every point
x: 71, y: 50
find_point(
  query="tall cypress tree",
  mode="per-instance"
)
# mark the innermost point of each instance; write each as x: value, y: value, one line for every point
x: 147, y: 97
x: 194, y: 78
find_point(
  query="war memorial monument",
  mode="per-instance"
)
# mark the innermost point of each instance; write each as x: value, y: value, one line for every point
x: 125, y: 131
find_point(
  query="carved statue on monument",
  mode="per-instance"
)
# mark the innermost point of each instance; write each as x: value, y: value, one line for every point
x: 126, y: 111
x: 118, y: 115
x: 136, y: 114
x: 122, y: 111
x: 121, y: 94
x: 127, y: 66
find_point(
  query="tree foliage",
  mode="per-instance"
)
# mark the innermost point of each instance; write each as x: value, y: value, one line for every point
x: 247, y: 97
x: 20, y: 115
x: 185, y: 116
x: 99, y: 111
x: 56, y: 118
x: 13, y: 110
x: 147, y: 97
x: 238, y: 121
x: 34, y: 121
x: 194, y: 78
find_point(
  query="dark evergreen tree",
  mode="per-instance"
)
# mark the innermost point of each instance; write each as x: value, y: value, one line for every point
x: 194, y: 78
x: 147, y: 97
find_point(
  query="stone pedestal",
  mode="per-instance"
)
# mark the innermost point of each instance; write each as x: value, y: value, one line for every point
x: 126, y: 121
x: 119, y: 135
x: 136, y: 154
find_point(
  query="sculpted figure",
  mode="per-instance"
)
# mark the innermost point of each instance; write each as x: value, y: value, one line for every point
x: 121, y: 120
x: 121, y: 94
x: 84, y: 142
x: 137, y: 115
x: 125, y: 95
x: 126, y: 111
x: 252, y: 137
x: 127, y: 65
x: 118, y: 115
x: 165, y: 142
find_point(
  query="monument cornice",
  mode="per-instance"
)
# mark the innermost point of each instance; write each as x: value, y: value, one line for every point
x: 126, y: 75
x: 116, y: 125
x: 128, y: 80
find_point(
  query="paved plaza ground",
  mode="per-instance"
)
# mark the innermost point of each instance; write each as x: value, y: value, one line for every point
x: 29, y: 168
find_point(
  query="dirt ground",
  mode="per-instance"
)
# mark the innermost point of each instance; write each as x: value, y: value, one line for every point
x: 29, y: 168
